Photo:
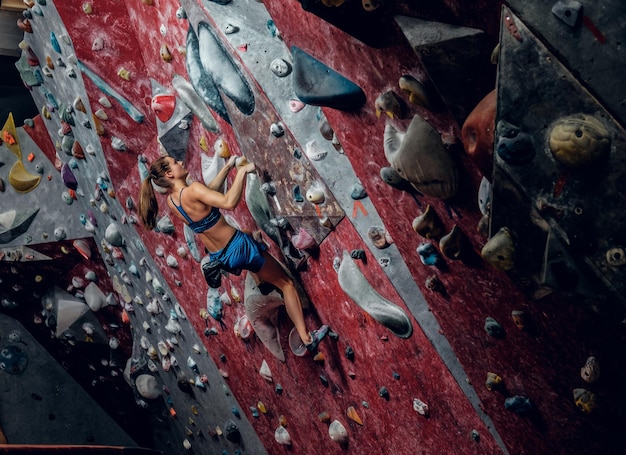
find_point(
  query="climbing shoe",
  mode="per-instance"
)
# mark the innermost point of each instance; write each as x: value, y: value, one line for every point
x: 317, y: 336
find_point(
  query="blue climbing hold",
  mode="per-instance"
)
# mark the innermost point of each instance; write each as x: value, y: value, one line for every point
x: 316, y: 84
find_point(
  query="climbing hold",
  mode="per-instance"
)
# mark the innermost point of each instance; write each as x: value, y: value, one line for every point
x: 493, y: 382
x: 391, y: 177
x: 428, y: 224
x: 317, y: 84
x: 499, y: 251
x: 579, y: 140
x: 415, y: 89
x: 429, y: 254
x: 379, y: 237
x: 324, y: 380
x: 171, y: 261
x: 265, y: 371
x: 513, y: 146
x: 451, y: 244
x: 296, y: 105
x: 118, y: 144
x: 230, y: 29
x: 277, y: 129
x: 280, y: 67
x: 68, y: 177
x: 585, y: 400
x: 231, y: 431
x: 358, y: 191
x: 420, y: 157
x: 519, y: 319
x: 356, y: 286
x: 98, y: 44
x: 25, y: 25
x: 390, y: 104
x: 358, y: 254
x: 163, y: 105
x: 113, y: 235
x: 568, y: 11
x: 315, y: 194
x: 147, y: 386
x: 371, y: 5
x: 384, y: 393
x: 282, y: 436
x: 519, y: 404
x: 323, y: 417
x: 226, y: 76
x: 165, y: 53
x: 123, y: 73
x: 314, y: 151
x: 353, y: 415
x: 420, y: 407
x: 616, y: 256
x: 319, y: 358
x: 493, y: 328
x: 165, y: 225
x: 303, y: 240
x: 97, y: 125
x: 261, y: 407
x: 338, y: 432
x: 590, y: 372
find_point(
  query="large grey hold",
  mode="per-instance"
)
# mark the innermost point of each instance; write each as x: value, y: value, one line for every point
x: 420, y: 157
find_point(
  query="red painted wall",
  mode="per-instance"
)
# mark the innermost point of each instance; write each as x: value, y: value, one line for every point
x: 542, y: 364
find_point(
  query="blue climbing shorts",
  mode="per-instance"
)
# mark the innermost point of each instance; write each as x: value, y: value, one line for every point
x: 243, y: 253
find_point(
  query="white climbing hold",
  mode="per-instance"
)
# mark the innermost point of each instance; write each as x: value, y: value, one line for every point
x: 265, y: 371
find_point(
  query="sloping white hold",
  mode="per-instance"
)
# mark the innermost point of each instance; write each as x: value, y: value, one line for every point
x: 113, y: 235
x: 94, y: 297
x: 337, y: 432
x: 265, y: 371
x: 173, y: 326
x: 356, y: 286
x: 147, y: 386
x: 211, y: 166
x: 171, y: 261
x: 68, y: 311
x: 282, y: 436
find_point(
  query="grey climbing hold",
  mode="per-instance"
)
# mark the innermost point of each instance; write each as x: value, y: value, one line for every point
x: 356, y: 286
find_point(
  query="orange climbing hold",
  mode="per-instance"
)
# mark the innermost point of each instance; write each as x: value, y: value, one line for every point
x: 353, y: 415
x: 8, y: 138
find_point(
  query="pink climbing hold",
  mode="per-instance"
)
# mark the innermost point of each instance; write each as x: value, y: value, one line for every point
x: 163, y: 106
x: 303, y: 240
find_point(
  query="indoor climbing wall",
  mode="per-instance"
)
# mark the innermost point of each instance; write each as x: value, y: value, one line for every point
x: 372, y: 126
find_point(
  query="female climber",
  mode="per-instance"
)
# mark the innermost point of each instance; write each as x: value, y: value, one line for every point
x: 241, y: 252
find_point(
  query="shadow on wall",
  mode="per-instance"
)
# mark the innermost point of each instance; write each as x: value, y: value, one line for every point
x: 14, y: 96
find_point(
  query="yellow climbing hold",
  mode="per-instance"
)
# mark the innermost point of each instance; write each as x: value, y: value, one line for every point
x: 9, y: 136
x: 166, y: 55
x: 203, y: 145
x: 21, y: 179
x: 261, y: 407
x: 124, y: 73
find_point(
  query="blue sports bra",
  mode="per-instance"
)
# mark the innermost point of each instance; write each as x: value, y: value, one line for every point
x: 205, y: 223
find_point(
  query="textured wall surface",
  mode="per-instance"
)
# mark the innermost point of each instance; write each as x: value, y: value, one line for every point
x: 152, y: 286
